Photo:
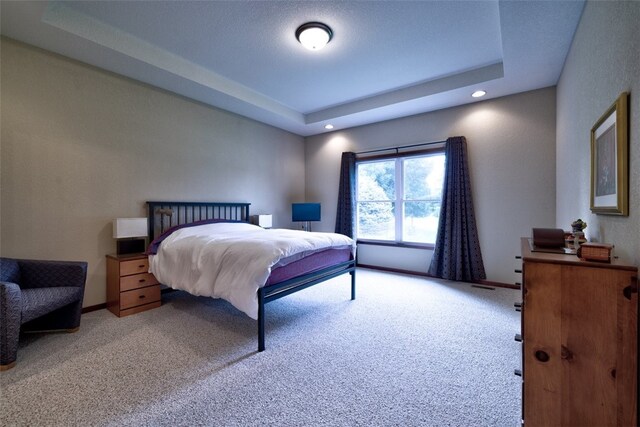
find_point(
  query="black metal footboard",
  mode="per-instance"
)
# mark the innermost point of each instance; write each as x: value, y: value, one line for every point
x: 279, y: 290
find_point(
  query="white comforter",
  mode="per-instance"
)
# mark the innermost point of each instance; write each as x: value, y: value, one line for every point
x: 232, y: 260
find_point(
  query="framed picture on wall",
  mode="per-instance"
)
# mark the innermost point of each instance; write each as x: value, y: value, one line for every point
x: 610, y: 160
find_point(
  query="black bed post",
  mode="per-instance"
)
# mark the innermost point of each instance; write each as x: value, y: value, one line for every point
x: 261, y: 319
x: 150, y: 222
x: 353, y: 284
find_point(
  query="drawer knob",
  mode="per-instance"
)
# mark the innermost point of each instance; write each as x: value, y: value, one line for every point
x: 542, y: 356
x: 631, y: 289
x: 141, y: 296
x: 141, y: 266
x: 142, y: 280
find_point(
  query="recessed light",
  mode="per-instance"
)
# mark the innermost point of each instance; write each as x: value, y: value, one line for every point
x: 314, y: 35
x: 328, y: 126
x: 478, y: 93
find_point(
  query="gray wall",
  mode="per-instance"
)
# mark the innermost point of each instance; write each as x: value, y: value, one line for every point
x: 511, y: 144
x: 80, y: 146
x: 604, y: 61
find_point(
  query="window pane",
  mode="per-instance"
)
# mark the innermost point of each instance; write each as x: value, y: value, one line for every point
x: 376, y: 181
x: 423, y: 177
x: 376, y: 220
x: 420, y: 221
x: 406, y: 210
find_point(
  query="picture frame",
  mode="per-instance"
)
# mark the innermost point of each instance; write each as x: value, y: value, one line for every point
x: 610, y: 160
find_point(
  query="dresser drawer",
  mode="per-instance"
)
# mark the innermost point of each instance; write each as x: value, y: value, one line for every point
x: 140, y: 296
x: 134, y: 266
x: 136, y: 281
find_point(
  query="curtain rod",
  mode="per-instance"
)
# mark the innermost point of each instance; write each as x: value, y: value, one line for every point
x: 401, y: 147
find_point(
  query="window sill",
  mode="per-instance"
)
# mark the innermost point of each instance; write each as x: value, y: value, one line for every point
x: 428, y: 246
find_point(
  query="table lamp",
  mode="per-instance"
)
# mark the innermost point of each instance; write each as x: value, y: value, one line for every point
x: 131, y: 235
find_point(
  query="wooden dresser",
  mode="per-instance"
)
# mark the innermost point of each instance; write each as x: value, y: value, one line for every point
x: 130, y: 287
x: 580, y: 341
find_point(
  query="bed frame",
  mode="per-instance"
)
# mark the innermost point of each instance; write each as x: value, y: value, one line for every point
x: 164, y: 215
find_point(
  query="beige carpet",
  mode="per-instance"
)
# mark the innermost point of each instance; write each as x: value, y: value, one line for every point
x: 408, y: 351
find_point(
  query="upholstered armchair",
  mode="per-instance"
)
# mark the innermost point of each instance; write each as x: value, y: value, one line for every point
x: 38, y: 296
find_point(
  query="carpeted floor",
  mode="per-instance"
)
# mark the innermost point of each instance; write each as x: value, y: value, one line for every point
x: 408, y: 351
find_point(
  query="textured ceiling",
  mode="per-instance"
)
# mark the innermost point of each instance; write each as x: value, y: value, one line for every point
x: 387, y: 59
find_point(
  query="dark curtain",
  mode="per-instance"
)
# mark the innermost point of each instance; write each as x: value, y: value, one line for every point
x: 345, y: 216
x: 457, y: 253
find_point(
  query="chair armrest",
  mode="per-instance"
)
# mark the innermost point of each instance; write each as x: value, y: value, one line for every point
x: 10, y: 303
x: 44, y: 274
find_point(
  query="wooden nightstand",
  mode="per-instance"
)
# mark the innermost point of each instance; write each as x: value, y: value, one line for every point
x: 130, y: 287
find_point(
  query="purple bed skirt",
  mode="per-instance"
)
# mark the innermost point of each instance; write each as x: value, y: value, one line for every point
x: 316, y: 261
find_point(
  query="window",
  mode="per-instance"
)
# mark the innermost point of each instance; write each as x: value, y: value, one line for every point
x: 399, y: 198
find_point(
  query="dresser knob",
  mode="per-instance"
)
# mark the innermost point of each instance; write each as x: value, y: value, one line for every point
x: 631, y: 289
x: 141, y: 296
x: 141, y: 266
x: 142, y: 280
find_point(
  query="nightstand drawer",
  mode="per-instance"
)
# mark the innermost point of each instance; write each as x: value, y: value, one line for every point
x: 136, y: 281
x: 139, y: 297
x: 130, y: 287
x: 134, y: 266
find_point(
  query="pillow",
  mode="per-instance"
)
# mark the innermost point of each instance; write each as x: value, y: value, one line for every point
x: 153, y: 246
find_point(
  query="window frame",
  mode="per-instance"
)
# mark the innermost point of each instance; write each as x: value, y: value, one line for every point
x: 399, y: 197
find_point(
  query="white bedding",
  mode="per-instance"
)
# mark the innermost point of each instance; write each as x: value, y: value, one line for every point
x: 232, y: 260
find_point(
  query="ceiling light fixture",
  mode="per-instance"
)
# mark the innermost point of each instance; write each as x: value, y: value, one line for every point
x: 328, y: 126
x: 478, y: 93
x: 314, y: 35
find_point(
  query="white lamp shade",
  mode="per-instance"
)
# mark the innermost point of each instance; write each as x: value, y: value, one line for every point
x: 264, y: 221
x: 129, y: 227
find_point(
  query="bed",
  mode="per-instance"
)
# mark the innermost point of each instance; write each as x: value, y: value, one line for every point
x: 181, y: 224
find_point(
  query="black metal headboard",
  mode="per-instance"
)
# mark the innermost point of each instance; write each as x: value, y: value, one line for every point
x: 164, y: 215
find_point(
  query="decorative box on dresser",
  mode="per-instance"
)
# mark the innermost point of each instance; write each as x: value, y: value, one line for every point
x: 130, y: 287
x: 580, y: 341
